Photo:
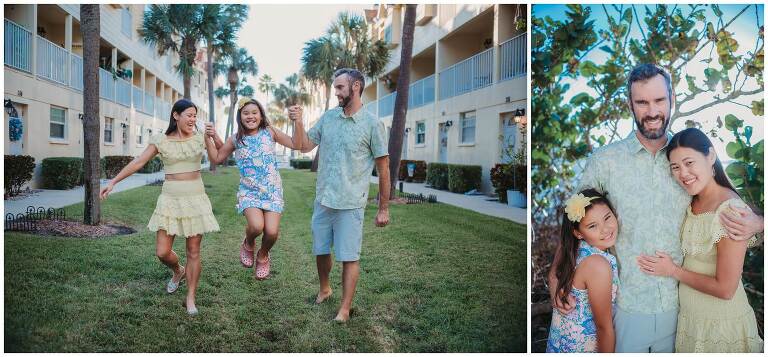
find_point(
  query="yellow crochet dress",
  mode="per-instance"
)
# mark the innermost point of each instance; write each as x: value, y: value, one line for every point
x: 706, y: 323
x: 183, y: 208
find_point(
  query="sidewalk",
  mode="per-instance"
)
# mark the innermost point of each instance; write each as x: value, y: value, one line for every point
x: 61, y: 198
x: 480, y: 203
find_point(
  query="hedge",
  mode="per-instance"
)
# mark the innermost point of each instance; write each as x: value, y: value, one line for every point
x: 301, y: 163
x: 62, y: 173
x: 153, y: 165
x: 113, y: 164
x: 437, y: 175
x: 419, y: 174
x: 18, y: 171
x: 464, y: 178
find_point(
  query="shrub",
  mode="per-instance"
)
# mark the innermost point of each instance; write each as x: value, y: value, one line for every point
x: 62, y: 173
x: 231, y: 161
x: 437, y: 175
x: 153, y: 165
x: 113, y: 164
x: 18, y: 171
x: 301, y: 163
x: 508, y: 177
x: 463, y: 178
x: 419, y: 174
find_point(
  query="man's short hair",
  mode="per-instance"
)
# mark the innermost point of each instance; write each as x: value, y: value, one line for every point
x: 354, y: 75
x: 645, y: 72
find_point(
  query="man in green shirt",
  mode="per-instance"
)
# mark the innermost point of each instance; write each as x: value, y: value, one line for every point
x: 634, y: 174
x: 350, y: 141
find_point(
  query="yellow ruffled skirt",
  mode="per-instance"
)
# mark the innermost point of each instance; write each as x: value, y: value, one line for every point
x: 183, y: 209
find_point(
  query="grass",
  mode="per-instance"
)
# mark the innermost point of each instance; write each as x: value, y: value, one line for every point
x: 438, y: 278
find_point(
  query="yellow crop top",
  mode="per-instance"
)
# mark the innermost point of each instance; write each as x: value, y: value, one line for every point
x: 179, y: 156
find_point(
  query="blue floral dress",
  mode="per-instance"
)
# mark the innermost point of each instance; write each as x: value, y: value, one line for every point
x: 576, y: 331
x: 260, y: 184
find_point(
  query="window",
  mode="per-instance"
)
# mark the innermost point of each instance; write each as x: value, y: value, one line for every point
x: 139, y: 134
x: 421, y: 132
x: 108, y: 125
x: 468, y: 128
x: 127, y: 22
x: 58, y: 123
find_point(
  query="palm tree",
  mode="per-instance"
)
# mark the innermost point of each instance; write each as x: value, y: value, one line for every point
x: 401, y: 98
x: 266, y: 85
x: 89, y: 26
x: 345, y: 44
x: 177, y: 29
x: 234, y: 64
x: 291, y: 94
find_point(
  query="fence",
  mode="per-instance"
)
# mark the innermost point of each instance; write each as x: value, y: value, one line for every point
x: 76, y: 74
x: 421, y: 92
x: 513, y: 58
x: 138, y: 98
x: 52, y: 61
x: 28, y: 221
x: 387, y: 104
x: 17, y: 46
x: 123, y: 92
x: 106, y: 84
x: 470, y: 74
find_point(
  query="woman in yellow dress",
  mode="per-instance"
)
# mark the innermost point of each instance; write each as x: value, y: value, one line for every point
x: 715, y: 315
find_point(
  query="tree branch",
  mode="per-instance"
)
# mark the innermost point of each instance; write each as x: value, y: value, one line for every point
x: 709, y: 40
x: 734, y: 94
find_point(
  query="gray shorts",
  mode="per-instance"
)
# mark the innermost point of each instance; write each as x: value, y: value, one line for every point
x: 341, y: 229
x: 638, y: 332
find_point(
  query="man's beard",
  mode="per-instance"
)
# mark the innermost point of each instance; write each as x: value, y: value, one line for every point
x: 344, y: 102
x: 653, y: 134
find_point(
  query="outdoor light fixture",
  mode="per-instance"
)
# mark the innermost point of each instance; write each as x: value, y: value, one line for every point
x: 9, y: 108
x: 520, y: 117
x: 448, y: 123
x: 81, y: 116
x: 407, y: 130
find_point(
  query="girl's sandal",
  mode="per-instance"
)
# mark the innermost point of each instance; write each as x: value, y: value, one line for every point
x: 246, y: 256
x: 262, y: 268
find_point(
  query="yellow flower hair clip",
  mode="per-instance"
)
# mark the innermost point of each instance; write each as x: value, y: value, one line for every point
x: 576, y: 207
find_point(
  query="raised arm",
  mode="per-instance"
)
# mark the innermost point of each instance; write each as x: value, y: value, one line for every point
x: 220, y: 150
x: 135, y: 165
x: 301, y: 137
x: 296, y: 140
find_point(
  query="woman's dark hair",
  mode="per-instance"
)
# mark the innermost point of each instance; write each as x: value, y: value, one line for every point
x: 695, y: 139
x: 241, y: 128
x: 180, y: 106
x: 569, y: 245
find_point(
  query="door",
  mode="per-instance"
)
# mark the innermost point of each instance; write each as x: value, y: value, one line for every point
x: 508, y: 144
x: 18, y: 120
x: 404, y: 153
x: 125, y: 138
x: 442, y: 149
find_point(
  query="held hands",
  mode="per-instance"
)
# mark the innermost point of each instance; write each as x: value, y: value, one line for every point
x: 295, y: 112
x: 741, y: 223
x: 382, y: 217
x: 659, y: 265
x: 106, y: 190
x: 209, y: 130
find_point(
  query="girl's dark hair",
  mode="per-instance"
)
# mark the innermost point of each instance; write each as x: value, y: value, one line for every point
x: 180, y: 106
x: 241, y: 128
x: 695, y: 139
x: 569, y: 246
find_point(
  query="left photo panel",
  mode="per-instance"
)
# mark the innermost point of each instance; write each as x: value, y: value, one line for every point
x: 265, y: 178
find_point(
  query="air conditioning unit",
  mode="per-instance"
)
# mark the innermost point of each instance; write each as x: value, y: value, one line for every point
x: 425, y: 13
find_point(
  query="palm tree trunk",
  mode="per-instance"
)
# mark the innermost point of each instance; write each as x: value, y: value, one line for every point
x: 186, y: 80
x: 211, y: 114
x: 89, y: 17
x: 401, y: 98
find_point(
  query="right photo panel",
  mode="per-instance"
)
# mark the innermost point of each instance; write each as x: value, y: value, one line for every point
x: 647, y: 178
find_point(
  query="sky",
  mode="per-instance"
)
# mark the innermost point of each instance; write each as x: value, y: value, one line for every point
x: 275, y: 35
x: 744, y: 29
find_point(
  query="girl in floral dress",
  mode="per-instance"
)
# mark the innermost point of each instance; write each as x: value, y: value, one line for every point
x: 260, y: 194
x: 588, y: 272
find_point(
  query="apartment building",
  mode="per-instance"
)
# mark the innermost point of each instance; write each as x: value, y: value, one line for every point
x: 468, y: 76
x: 44, y: 81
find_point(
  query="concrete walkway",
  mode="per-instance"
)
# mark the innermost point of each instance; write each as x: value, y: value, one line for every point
x: 480, y: 203
x: 61, y: 198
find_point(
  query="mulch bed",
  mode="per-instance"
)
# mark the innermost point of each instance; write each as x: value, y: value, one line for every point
x: 77, y: 229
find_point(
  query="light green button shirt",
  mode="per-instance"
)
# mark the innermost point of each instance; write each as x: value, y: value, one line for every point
x: 651, y: 208
x: 348, y: 147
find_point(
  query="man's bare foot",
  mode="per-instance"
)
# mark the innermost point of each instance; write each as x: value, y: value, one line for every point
x: 322, y: 296
x: 342, y: 316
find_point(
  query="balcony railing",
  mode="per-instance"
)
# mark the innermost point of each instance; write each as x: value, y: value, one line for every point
x: 372, y: 108
x: 138, y: 98
x: 149, y: 104
x: 387, y: 104
x: 470, y: 74
x: 18, y: 46
x: 421, y: 92
x: 513, y: 58
x: 163, y: 111
x: 123, y: 92
x: 52, y: 61
x: 106, y: 85
x: 76, y: 74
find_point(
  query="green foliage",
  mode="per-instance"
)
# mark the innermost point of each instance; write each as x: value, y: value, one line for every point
x: 301, y: 164
x: 62, y: 173
x: 153, y: 165
x: 113, y: 164
x: 419, y: 173
x: 464, y: 178
x: 437, y: 175
x: 18, y: 171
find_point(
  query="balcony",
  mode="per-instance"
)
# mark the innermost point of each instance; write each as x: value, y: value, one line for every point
x: 123, y: 92
x: 513, y: 58
x: 138, y: 98
x: 18, y: 46
x: 52, y: 61
x: 106, y: 85
x: 468, y: 75
x: 372, y: 108
x: 387, y: 104
x: 421, y: 92
x: 149, y: 104
x: 76, y: 74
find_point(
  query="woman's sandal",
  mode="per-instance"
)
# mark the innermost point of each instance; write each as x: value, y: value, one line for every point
x: 246, y: 256
x: 262, y: 268
x: 172, y: 286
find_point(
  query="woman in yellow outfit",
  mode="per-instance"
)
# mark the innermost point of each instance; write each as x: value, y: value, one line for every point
x: 183, y: 208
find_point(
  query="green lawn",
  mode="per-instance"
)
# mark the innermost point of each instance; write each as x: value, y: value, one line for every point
x: 438, y: 278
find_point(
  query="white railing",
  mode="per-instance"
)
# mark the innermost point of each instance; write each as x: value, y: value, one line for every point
x: 513, y: 58
x: 149, y: 103
x: 470, y: 74
x: 106, y: 84
x: 387, y: 104
x: 17, y: 46
x: 138, y: 98
x: 421, y: 92
x: 372, y: 108
x: 123, y: 92
x: 52, y: 61
x: 76, y: 72
x: 163, y: 111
